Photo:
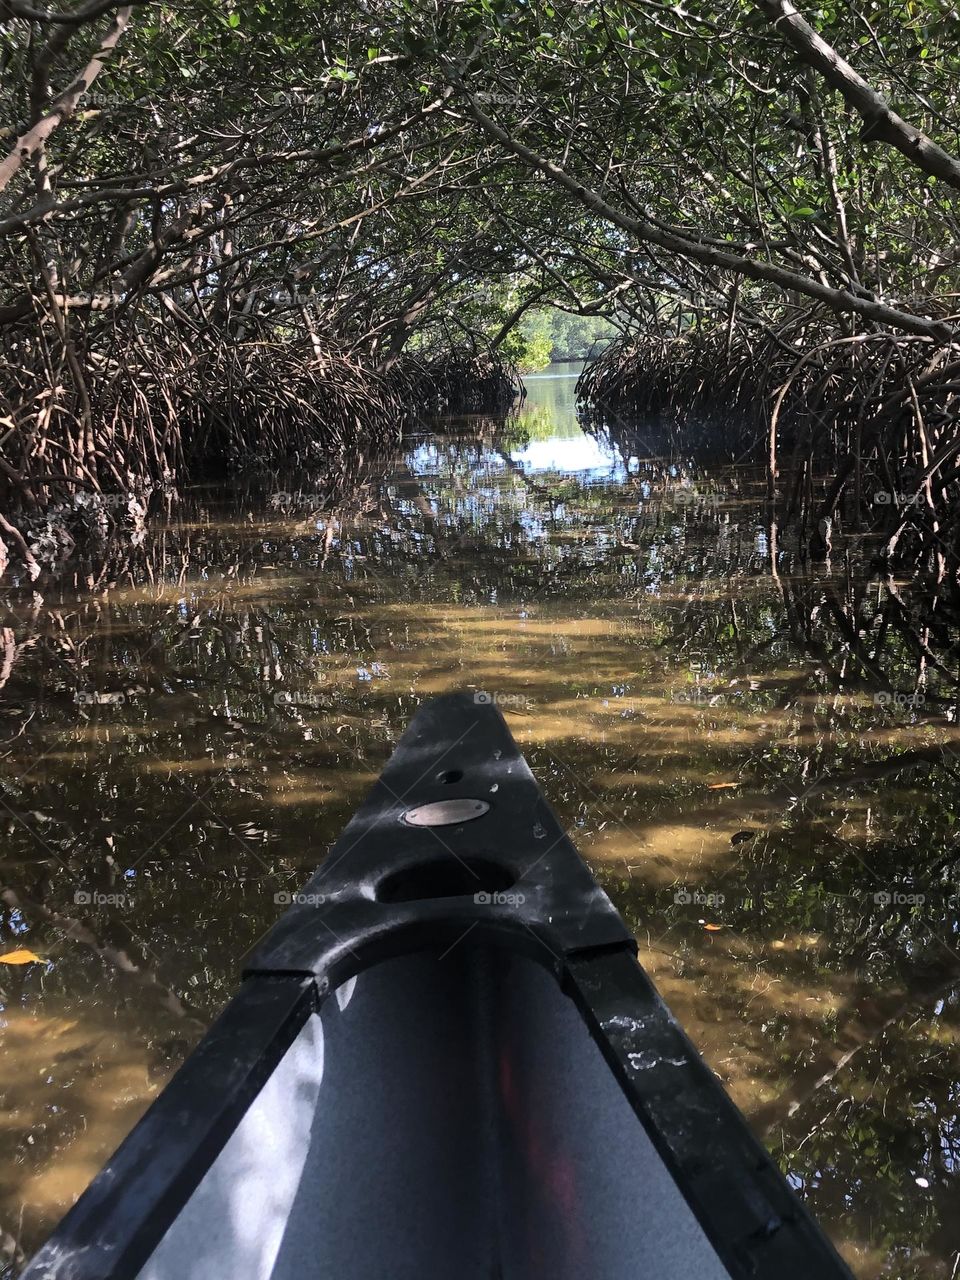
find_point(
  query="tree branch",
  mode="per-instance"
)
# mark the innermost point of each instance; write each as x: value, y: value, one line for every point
x: 64, y: 105
x: 880, y: 122
x: 839, y: 300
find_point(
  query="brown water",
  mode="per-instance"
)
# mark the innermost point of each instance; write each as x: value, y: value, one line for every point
x: 747, y: 753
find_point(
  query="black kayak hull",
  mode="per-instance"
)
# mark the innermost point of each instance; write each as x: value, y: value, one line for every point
x: 444, y: 1061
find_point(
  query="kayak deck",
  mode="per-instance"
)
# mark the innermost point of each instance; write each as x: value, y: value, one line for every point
x: 444, y: 1060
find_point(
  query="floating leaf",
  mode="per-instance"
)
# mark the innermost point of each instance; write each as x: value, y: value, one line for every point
x: 20, y: 956
x: 713, y: 928
x: 721, y: 786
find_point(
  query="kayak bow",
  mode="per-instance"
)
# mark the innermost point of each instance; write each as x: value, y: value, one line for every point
x: 443, y: 1061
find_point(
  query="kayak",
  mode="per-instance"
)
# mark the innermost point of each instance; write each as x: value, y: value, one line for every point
x: 443, y: 1062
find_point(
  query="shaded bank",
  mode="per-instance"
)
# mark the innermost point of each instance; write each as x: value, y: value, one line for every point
x: 86, y: 474
x: 858, y: 433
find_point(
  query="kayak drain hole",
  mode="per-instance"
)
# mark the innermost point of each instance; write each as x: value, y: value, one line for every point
x: 445, y: 878
x: 450, y: 775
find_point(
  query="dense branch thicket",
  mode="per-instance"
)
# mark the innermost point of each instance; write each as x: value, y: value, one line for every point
x: 213, y: 245
x: 860, y: 431
x: 237, y: 231
x: 780, y: 238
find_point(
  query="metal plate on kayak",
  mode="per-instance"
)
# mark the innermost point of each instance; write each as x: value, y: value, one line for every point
x: 445, y: 813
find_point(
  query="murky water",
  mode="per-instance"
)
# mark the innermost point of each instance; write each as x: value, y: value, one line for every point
x: 759, y: 761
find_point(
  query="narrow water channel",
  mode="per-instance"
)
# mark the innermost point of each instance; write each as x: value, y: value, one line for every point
x: 754, y: 757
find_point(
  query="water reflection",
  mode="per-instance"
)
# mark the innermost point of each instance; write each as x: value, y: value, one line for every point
x: 760, y: 764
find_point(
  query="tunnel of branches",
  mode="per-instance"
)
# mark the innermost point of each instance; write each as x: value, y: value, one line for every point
x: 274, y: 233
